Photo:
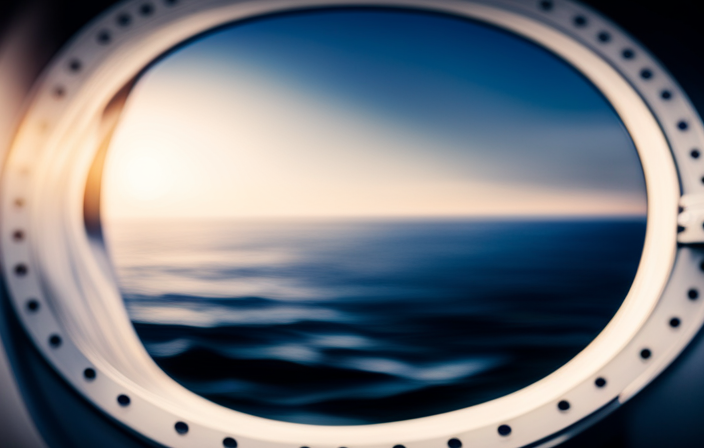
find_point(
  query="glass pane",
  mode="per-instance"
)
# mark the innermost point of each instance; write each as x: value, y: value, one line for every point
x: 351, y: 216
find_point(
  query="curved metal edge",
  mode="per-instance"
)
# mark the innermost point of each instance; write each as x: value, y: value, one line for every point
x: 58, y: 414
x: 567, y: 433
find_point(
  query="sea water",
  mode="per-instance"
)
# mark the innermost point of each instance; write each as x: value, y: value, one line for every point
x: 346, y: 322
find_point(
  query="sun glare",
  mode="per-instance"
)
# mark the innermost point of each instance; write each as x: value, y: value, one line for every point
x: 147, y: 169
x: 227, y: 136
x: 146, y: 177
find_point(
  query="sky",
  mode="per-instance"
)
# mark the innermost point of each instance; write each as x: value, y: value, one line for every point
x: 367, y: 112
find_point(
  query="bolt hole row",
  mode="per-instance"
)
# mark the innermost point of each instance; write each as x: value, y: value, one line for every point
x: 504, y: 430
x: 147, y: 9
x: 104, y: 37
x: 674, y: 322
x: 124, y: 401
x: 627, y: 53
x: 645, y: 353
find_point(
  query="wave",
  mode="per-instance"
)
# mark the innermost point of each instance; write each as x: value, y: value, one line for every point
x: 374, y: 322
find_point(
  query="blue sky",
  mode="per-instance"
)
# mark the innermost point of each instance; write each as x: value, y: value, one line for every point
x: 355, y: 112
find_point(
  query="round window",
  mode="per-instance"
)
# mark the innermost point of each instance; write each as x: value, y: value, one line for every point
x: 365, y: 215
x: 321, y: 223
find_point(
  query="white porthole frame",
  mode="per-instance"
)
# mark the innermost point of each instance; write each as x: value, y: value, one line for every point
x: 69, y: 304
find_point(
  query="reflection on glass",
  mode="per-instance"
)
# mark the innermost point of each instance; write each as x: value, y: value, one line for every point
x: 358, y: 216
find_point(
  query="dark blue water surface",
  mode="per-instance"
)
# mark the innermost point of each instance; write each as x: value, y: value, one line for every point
x: 335, y: 322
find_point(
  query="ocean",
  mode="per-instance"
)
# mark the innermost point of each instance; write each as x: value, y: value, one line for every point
x: 349, y: 322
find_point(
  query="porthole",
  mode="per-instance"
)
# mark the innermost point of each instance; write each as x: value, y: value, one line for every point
x: 52, y: 253
x: 320, y: 330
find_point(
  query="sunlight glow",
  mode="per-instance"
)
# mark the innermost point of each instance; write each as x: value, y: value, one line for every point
x: 252, y: 148
x: 212, y: 131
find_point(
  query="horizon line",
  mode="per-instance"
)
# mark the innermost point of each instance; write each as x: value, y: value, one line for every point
x: 569, y: 216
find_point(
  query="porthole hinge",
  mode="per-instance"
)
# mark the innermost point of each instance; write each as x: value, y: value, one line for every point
x: 691, y: 219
